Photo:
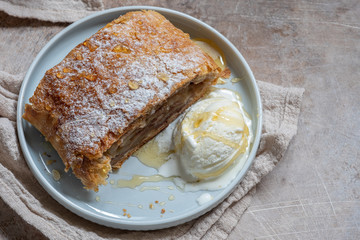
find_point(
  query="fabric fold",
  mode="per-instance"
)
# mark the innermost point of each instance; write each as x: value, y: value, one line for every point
x: 51, y: 10
x: 9, y: 89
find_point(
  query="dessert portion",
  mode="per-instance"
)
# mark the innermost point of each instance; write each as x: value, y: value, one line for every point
x: 211, y: 136
x: 116, y: 90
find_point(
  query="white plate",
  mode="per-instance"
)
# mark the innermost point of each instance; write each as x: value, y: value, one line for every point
x: 106, y: 206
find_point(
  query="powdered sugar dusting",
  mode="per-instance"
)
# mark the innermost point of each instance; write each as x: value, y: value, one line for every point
x: 89, y: 93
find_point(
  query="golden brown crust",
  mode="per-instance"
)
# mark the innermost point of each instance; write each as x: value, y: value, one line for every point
x: 94, y: 96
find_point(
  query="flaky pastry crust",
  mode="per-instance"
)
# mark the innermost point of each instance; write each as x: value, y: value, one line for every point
x: 113, y: 84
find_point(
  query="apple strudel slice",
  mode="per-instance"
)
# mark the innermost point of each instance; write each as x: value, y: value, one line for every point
x: 116, y: 90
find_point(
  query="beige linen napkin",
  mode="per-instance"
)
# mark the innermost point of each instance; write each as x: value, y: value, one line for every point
x: 51, y: 10
x: 27, y: 210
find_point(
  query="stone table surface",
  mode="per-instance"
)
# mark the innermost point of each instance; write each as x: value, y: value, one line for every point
x: 314, y: 192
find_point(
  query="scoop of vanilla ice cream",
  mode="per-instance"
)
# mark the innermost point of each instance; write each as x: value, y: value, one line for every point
x: 212, y: 134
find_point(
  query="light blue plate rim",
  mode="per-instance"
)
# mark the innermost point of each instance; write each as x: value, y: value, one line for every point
x: 129, y: 224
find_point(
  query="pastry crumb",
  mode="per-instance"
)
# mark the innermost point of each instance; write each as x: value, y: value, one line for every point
x: 49, y: 162
x: 162, y: 76
x: 221, y: 81
x: 56, y: 175
x: 133, y: 85
x: 235, y: 80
